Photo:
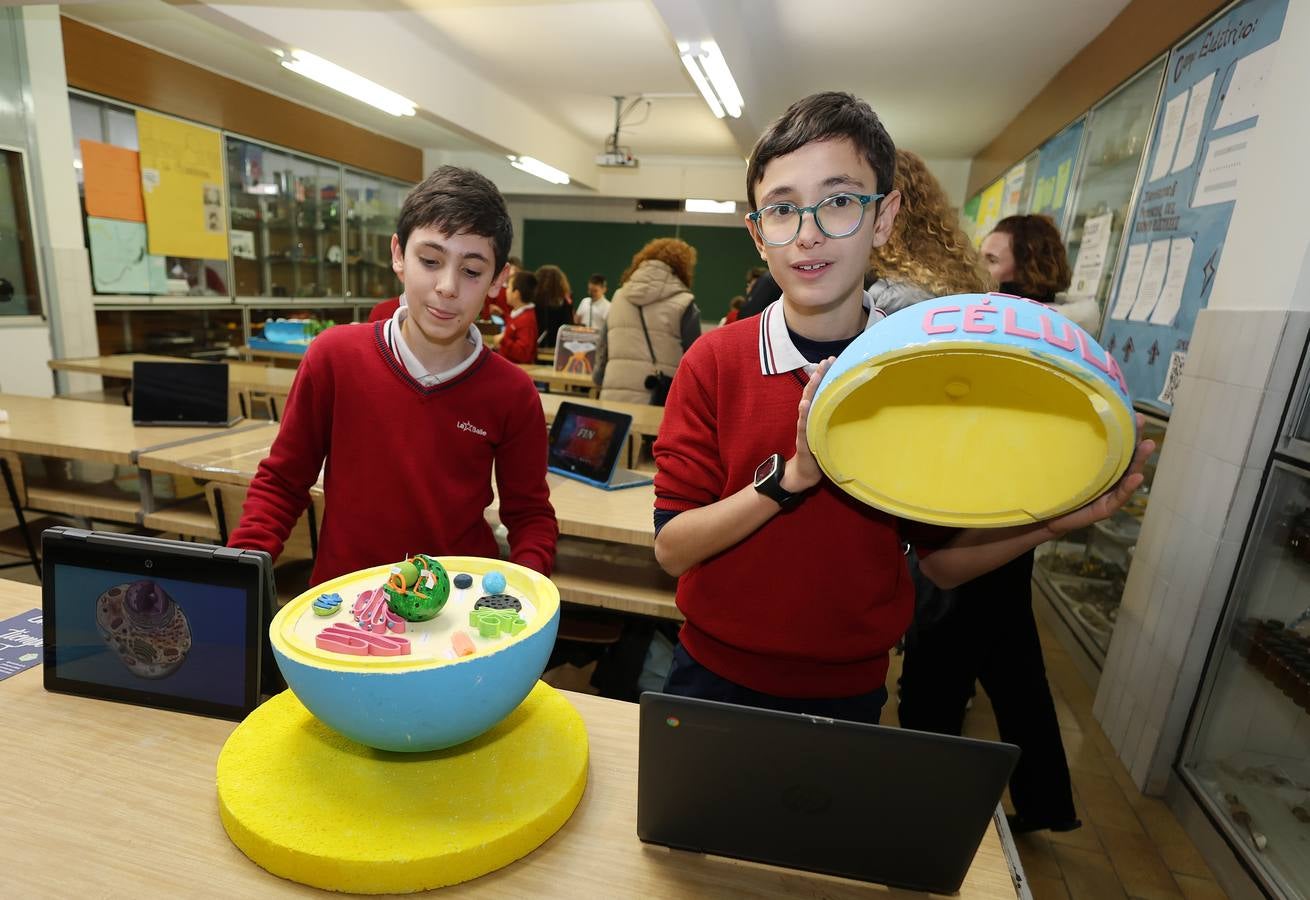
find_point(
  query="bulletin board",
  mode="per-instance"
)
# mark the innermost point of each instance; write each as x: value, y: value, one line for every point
x: 182, y: 186
x: 989, y: 210
x: 1204, y: 123
x: 1057, y: 160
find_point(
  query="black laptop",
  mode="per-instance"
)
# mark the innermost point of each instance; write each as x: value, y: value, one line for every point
x: 585, y: 443
x: 180, y: 393
x: 877, y: 804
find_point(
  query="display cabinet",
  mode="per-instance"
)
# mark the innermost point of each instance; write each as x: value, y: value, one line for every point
x: 372, y: 208
x: 285, y: 237
x: 1083, y: 576
x: 1115, y: 140
x: 1246, y: 757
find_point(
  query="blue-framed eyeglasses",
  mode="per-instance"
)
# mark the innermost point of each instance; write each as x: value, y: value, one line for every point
x: 837, y: 216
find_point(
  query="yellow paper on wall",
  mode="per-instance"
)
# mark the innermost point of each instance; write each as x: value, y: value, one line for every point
x: 182, y: 184
x: 989, y: 209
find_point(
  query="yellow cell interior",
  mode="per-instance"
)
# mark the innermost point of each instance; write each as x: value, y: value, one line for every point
x: 969, y: 438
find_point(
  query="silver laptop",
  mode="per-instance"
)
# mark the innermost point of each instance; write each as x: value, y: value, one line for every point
x: 878, y: 804
x: 180, y: 393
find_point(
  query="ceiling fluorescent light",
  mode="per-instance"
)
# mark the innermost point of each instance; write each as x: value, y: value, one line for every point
x: 710, y: 206
x: 538, y: 168
x: 708, y: 69
x: 331, y: 75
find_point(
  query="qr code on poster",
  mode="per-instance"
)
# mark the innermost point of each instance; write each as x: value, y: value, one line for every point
x: 1172, y: 379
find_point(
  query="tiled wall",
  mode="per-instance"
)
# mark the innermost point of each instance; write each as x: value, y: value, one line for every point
x: 1235, y: 388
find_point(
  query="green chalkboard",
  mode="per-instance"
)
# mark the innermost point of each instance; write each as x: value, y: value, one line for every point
x: 723, y: 255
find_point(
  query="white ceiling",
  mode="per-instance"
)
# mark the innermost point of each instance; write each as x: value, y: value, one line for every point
x: 537, y: 77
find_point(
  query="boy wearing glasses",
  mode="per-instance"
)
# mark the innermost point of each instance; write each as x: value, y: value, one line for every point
x: 794, y: 592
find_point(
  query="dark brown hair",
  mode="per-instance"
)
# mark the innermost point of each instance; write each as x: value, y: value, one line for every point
x: 822, y: 117
x: 526, y: 284
x: 458, y: 201
x: 676, y: 254
x: 1041, y: 266
x: 552, y: 286
x: 596, y: 279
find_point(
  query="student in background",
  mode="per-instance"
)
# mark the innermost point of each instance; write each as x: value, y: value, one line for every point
x: 1026, y: 257
x: 518, y: 342
x: 496, y: 304
x: 595, y: 306
x: 554, y: 302
x: 384, y: 310
x: 793, y: 592
x: 408, y: 419
x: 654, y: 301
x: 734, y: 310
x: 928, y: 254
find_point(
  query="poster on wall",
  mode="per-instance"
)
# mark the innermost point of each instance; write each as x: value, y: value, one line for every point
x: 1207, y: 116
x: 969, y: 215
x: 1056, y: 160
x: 1012, y: 194
x: 111, y: 179
x: 989, y: 210
x: 182, y: 184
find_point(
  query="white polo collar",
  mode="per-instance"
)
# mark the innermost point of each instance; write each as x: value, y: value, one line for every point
x: 515, y: 313
x: 396, y: 341
x: 778, y: 354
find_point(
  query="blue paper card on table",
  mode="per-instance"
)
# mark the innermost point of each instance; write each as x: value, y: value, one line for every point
x: 21, y: 639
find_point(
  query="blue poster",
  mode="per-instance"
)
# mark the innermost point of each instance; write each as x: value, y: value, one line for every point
x: 1056, y: 161
x: 21, y: 640
x: 1206, y: 117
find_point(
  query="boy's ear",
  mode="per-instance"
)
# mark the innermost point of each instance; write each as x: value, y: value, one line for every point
x: 500, y: 281
x: 755, y: 236
x: 882, y: 227
x: 397, y: 257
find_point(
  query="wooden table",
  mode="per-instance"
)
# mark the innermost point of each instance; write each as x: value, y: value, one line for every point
x: 564, y: 382
x: 241, y: 375
x: 625, y: 581
x: 90, y: 432
x: 116, y: 800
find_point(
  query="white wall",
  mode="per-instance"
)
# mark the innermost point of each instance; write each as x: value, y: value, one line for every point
x: 1237, y: 381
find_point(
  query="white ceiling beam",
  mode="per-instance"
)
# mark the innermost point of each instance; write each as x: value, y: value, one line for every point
x: 400, y: 50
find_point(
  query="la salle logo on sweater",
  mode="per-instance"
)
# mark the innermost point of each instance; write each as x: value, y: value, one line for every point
x: 469, y: 426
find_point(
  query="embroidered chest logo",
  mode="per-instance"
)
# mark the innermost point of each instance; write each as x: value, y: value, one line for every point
x: 469, y: 426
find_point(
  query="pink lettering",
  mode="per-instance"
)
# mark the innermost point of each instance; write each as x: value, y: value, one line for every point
x: 1010, y: 326
x: 973, y: 319
x: 1117, y: 373
x: 1085, y: 348
x: 931, y: 327
x: 1069, y: 341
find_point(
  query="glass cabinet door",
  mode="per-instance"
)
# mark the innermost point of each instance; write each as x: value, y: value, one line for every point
x: 372, y: 207
x: 19, y: 286
x: 286, y: 223
x: 1247, y: 756
x: 1083, y: 576
x: 1115, y: 141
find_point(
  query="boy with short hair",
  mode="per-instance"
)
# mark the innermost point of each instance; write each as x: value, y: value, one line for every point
x: 794, y: 592
x: 595, y: 307
x: 412, y: 413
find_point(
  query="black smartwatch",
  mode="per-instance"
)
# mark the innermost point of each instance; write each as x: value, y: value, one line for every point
x: 768, y: 481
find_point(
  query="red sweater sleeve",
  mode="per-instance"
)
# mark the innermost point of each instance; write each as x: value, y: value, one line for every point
x: 521, y: 482
x: 279, y: 492
x: 519, y: 342
x: 690, y: 468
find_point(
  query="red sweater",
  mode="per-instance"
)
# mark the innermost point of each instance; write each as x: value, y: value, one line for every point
x: 808, y: 605
x: 519, y: 341
x: 408, y: 468
x: 384, y: 310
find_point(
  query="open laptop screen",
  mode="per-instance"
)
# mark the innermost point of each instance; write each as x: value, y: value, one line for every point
x: 179, y: 393
x: 587, y: 440
x: 154, y: 622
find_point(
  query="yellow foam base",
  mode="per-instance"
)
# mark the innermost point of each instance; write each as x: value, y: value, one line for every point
x: 312, y: 806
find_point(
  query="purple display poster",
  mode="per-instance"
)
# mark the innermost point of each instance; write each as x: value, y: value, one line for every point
x: 21, y: 640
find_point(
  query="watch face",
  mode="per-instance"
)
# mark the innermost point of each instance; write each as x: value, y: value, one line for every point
x: 766, y: 469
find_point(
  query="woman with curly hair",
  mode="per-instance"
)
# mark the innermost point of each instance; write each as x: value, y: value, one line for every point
x: 1026, y: 257
x: 928, y: 254
x: 653, y: 320
x: 554, y: 304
